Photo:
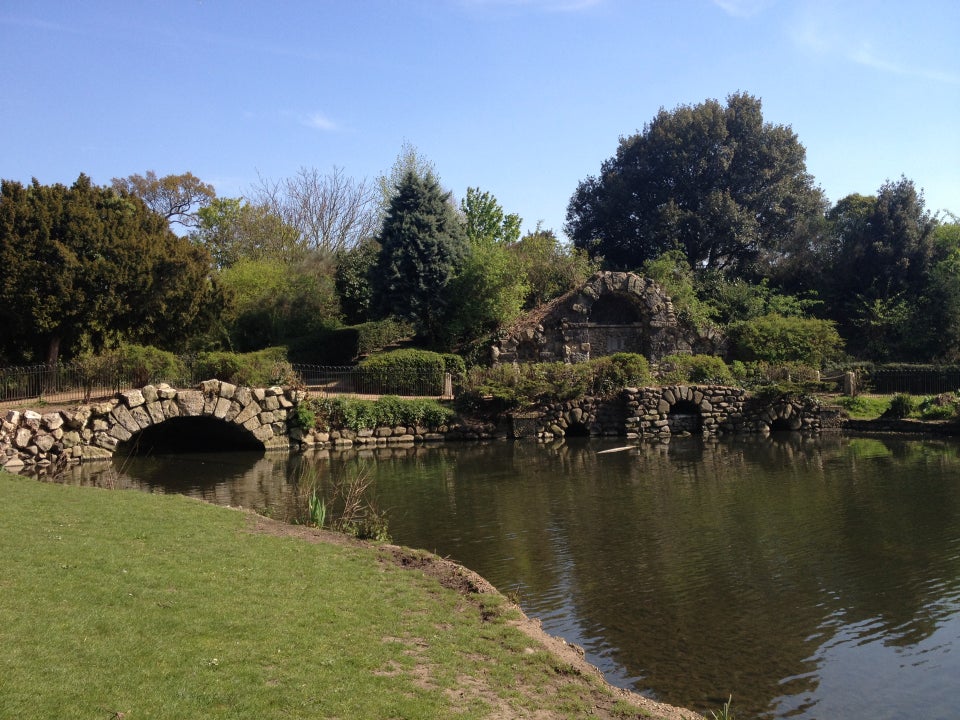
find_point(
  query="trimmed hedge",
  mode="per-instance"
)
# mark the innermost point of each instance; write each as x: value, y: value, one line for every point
x: 404, y: 372
x: 342, y: 346
x: 256, y: 369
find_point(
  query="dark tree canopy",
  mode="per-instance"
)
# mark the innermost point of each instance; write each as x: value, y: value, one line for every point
x: 877, y: 279
x: 87, y: 264
x: 716, y: 182
x: 423, y: 244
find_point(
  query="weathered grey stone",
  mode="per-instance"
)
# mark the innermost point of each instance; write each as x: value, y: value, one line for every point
x: 271, y: 402
x: 170, y: 409
x: 251, y: 410
x: 13, y: 463
x: 155, y: 410
x: 119, y: 432
x: 142, y: 417
x: 44, y: 442
x: 23, y: 438
x: 13, y: 417
x: 150, y: 394
x: 166, y: 392
x: 97, y: 453
x: 122, y: 416
x: 210, y: 387
x: 243, y: 395
x: 133, y: 398
x: 222, y: 408
x: 190, y: 403
x: 263, y: 433
x: 52, y: 421
x: 227, y: 390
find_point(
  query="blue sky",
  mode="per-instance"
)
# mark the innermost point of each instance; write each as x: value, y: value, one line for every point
x: 522, y: 98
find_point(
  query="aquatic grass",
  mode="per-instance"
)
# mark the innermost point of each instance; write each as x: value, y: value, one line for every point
x: 724, y: 713
x: 119, y: 603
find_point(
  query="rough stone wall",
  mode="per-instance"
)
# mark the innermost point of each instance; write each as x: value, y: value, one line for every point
x: 657, y: 412
x: 613, y: 312
x: 93, y: 432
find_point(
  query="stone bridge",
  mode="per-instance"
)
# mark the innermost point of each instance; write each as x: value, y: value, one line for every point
x: 256, y: 417
x: 262, y: 418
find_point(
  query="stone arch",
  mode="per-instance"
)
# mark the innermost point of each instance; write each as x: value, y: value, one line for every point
x: 612, y: 312
x: 616, y: 309
x: 200, y: 433
x: 685, y: 408
x: 685, y: 417
x: 783, y: 417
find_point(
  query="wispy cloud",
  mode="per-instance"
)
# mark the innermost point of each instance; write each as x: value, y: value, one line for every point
x: 742, y: 8
x: 866, y: 56
x: 319, y: 121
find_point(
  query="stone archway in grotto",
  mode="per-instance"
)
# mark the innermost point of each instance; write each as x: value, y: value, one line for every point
x: 685, y: 417
x: 203, y: 433
x: 615, y: 309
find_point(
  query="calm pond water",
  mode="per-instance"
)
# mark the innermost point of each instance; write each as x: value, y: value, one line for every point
x: 807, y: 578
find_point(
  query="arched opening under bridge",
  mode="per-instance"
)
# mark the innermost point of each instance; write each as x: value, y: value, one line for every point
x: 190, y: 434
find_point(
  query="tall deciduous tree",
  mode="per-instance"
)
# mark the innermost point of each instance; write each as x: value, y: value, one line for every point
x: 84, y: 263
x: 484, y: 218
x: 423, y: 245
x: 329, y: 212
x: 177, y: 197
x: 715, y: 181
x: 490, y: 289
x: 232, y: 229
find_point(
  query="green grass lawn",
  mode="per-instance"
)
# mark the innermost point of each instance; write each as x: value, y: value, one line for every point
x: 126, y: 604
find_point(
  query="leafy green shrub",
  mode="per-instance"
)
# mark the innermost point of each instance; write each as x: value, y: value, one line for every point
x: 706, y: 369
x: 144, y: 364
x: 901, y: 406
x: 939, y: 407
x: 256, y: 369
x: 403, y: 372
x: 502, y: 388
x: 358, y: 414
x: 304, y: 416
x: 378, y: 334
x: 620, y: 370
x: 777, y: 339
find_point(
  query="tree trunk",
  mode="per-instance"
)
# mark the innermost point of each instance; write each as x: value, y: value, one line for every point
x: 53, y: 355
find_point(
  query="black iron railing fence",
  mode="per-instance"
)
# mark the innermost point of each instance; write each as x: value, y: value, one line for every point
x: 67, y: 383
x: 915, y: 381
